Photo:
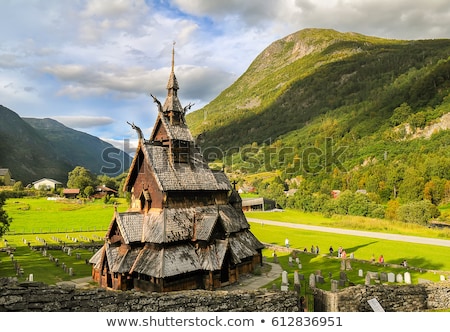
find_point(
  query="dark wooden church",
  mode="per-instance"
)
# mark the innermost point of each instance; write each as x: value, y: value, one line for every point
x: 185, y: 228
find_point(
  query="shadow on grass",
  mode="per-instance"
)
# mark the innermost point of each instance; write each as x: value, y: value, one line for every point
x: 355, y: 248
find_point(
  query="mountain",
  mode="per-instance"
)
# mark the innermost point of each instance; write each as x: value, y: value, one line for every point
x: 317, y: 72
x: 337, y: 111
x: 79, y: 148
x: 37, y: 148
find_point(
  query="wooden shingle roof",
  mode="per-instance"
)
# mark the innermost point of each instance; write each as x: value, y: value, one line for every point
x: 123, y: 262
x: 195, y: 175
x: 130, y: 225
x: 181, y: 224
x: 241, y: 246
x: 97, y: 257
x: 166, y: 262
x: 211, y: 258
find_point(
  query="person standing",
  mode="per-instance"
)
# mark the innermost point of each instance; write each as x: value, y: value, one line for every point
x: 286, y: 242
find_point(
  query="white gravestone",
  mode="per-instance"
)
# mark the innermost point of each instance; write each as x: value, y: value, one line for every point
x: 360, y: 273
x: 375, y: 305
x: 407, y: 277
x: 284, y: 281
x: 399, y: 277
x: 391, y: 277
x: 312, y: 280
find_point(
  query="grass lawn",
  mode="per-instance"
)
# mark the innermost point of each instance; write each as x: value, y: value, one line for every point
x: 39, y: 215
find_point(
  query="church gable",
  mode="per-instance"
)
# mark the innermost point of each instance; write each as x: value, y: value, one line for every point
x: 159, y: 133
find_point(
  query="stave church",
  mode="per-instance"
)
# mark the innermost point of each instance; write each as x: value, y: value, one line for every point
x: 184, y: 228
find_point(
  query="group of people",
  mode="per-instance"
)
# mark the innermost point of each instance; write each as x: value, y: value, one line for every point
x: 341, y: 253
x: 314, y: 249
x: 380, y: 259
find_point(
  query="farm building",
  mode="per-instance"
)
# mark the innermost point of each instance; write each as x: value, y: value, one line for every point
x: 71, y: 192
x: 5, y: 177
x: 184, y: 228
x: 258, y: 204
x: 46, y: 184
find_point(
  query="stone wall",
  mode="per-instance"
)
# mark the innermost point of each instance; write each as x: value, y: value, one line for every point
x: 36, y: 296
x: 399, y: 298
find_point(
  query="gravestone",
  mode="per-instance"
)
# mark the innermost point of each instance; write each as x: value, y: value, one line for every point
x: 284, y: 281
x: 367, y: 279
x: 360, y: 273
x: 383, y: 277
x: 407, y: 278
x: 399, y: 277
x: 301, y: 276
x: 297, y: 260
x: 342, y: 265
x: 71, y: 271
x: 275, y: 258
x: 442, y: 277
x: 300, y: 266
x: 296, y: 282
x: 343, y: 275
x: 320, y: 279
x: 334, y: 285
x: 31, y: 277
x: 290, y: 261
x: 312, y: 280
x: 391, y: 277
x: 375, y: 305
x: 348, y: 265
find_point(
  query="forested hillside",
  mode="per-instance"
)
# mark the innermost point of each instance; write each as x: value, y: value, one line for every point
x: 320, y: 110
x: 35, y: 148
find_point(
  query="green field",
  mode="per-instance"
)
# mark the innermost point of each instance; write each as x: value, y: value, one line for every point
x: 74, y: 223
x: 56, y: 222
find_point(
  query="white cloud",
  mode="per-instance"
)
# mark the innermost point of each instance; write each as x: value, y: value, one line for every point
x: 83, y: 121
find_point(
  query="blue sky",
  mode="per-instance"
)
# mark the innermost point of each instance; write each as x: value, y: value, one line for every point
x: 92, y: 64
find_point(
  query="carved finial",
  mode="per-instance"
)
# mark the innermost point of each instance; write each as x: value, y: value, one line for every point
x: 138, y: 130
x: 188, y: 107
x: 155, y: 100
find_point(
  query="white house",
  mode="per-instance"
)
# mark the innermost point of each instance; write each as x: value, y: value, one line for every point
x: 46, y: 184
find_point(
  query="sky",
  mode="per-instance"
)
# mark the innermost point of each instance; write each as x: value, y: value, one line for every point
x: 92, y: 64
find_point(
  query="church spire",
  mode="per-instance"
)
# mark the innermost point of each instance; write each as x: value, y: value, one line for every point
x: 172, y: 85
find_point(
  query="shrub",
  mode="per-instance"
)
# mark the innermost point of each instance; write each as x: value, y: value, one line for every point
x: 418, y: 212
